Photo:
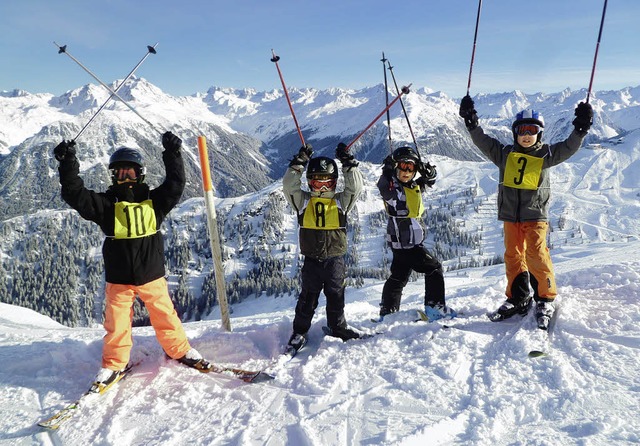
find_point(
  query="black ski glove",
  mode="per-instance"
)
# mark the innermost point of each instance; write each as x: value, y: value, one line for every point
x: 302, y: 158
x: 584, y: 117
x: 468, y: 112
x: 346, y: 158
x: 171, y: 142
x: 64, y: 149
x: 428, y: 174
x: 388, y: 167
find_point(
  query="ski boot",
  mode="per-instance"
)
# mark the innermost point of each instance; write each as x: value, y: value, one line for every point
x: 544, y: 313
x: 295, y: 344
x: 194, y: 359
x: 438, y: 311
x: 510, y: 308
x: 344, y: 333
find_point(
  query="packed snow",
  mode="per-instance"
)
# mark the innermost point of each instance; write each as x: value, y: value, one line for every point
x: 412, y: 383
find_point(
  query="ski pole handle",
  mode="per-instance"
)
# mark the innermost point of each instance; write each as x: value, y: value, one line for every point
x: 275, y: 60
x: 405, y: 90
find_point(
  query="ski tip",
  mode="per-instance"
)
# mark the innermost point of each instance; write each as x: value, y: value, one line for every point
x: 261, y: 377
x: 536, y: 354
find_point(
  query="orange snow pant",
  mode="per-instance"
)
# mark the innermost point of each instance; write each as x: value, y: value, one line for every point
x: 526, y: 250
x: 119, y: 316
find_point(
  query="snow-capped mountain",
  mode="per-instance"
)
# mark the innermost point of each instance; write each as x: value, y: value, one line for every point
x: 251, y: 134
x: 250, y: 138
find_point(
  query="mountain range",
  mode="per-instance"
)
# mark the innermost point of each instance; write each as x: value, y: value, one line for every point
x: 251, y: 136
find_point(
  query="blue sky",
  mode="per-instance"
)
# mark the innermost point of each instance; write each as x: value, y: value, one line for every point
x: 544, y: 45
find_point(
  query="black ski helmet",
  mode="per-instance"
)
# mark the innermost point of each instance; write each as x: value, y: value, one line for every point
x: 405, y: 154
x: 323, y: 167
x: 127, y: 156
x: 528, y: 116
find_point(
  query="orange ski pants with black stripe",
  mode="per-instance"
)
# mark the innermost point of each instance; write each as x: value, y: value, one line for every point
x: 119, y: 316
x: 526, y: 250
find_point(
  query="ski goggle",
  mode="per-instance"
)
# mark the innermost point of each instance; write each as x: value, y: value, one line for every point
x: 322, y: 185
x: 407, y: 166
x: 531, y: 129
x: 126, y: 173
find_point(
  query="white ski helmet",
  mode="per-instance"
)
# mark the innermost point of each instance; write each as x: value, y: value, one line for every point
x: 528, y: 116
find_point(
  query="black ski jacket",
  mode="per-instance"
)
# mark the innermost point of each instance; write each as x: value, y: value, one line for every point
x: 128, y: 261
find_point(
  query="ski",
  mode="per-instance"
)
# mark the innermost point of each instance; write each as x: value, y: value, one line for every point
x: 66, y: 413
x: 248, y: 376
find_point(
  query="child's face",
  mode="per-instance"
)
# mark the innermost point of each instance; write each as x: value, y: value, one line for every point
x: 404, y: 176
x: 527, y: 140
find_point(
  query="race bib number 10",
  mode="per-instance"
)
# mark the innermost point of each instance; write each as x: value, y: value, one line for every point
x: 134, y: 220
x: 522, y: 171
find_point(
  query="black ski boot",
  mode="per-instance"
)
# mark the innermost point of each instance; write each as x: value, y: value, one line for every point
x: 510, y: 308
x: 344, y: 333
x: 295, y: 344
x: 384, y: 311
x: 544, y: 313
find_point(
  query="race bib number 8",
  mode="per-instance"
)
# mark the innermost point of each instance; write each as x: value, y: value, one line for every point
x: 322, y: 213
x: 522, y: 171
x: 134, y: 220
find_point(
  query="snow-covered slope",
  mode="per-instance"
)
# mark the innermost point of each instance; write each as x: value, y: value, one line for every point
x: 413, y: 383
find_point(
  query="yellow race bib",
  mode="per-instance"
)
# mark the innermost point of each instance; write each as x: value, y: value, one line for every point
x: 322, y: 213
x: 414, y: 202
x: 134, y: 220
x: 522, y: 171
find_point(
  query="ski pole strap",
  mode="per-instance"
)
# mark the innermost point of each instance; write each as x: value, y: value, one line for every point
x: 275, y: 60
x: 405, y: 90
x: 595, y: 57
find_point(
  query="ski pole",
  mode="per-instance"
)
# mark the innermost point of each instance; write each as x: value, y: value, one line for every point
x: 150, y: 50
x: 63, y: 49
x: 275, y: 60
x: 406, y: 115
x: 386, y: 93
x: 473, y: 52
x: 405, y: 90
x: 595, y: 57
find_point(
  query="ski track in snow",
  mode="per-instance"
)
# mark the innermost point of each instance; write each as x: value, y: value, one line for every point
x: 413, y: 383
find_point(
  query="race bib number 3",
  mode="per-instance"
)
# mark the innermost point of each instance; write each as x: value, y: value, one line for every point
x: 522, y: 171
x: 134, y: 220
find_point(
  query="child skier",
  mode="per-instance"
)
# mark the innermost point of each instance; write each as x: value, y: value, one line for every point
x: 523, y: 203
x: 322, y: 217
x: 130, y: 214
x: 402, y: 195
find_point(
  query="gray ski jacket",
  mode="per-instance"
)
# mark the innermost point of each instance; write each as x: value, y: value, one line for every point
x: 323, y: 244
x: 520, y: 205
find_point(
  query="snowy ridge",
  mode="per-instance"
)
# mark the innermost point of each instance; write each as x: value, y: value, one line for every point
x: 414, y: 383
